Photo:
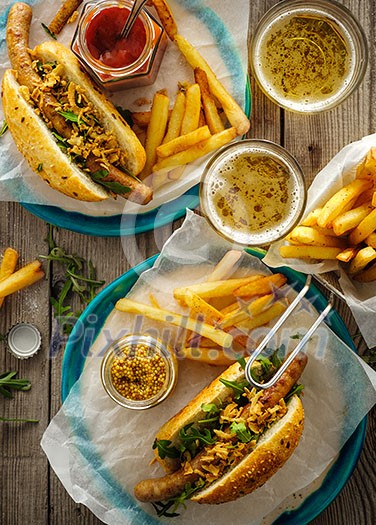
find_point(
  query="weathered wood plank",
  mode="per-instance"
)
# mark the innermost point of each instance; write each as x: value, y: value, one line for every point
x: 23, y: 466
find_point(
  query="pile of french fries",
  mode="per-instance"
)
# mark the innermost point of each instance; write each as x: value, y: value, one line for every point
x: 196, y: 125
x: 221, y: 312
x: 12, y: 281
x: 344, y: 228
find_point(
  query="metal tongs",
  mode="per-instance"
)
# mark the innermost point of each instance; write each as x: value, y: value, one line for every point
x: 276, y: 327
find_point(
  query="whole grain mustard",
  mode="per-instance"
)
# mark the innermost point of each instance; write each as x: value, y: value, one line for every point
x: 139, y: 373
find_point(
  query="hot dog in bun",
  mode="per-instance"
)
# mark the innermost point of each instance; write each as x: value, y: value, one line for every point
x: 228, y: 441
x: 70, y: 134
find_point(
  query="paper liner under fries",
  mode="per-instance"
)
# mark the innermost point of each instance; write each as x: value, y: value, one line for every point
x: 100, y: 451
x: 340, y: 171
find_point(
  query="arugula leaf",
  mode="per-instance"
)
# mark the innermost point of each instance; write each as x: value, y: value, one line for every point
x: 296, y: 390
x: 241, y: 431
x: 190, y: 434
x: 164, y: 448
x: 116, y: 187
x: 242, y: 362
x: 212, y: 410
x: 4, y: 128
x: 40, y: 167
x: 237, y: 386
x: 69, y: 116
x: 61, y: 141
x: 162, y: 509
x: 50, y: 33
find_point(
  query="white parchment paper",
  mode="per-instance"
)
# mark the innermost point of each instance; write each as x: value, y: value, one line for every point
x: 361, y: 297
x: 100, y: 450
x: 217, y: 30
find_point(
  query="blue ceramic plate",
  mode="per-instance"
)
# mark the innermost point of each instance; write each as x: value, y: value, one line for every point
x: 75, y: 356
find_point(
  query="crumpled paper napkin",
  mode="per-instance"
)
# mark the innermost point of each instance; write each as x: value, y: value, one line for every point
x: 100, y: 450
x: 360, y: 297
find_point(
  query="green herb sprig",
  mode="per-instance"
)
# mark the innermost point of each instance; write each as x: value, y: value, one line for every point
x: 49, y: 33
x: 3, y: 128
x: 99, y: 176
x: 165, y: 449
x: 163, y: 508
x: 79, y: 280
x: 8, y: 383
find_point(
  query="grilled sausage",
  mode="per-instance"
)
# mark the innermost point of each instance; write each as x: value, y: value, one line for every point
x: 17, y: 37
x: 171, y: 485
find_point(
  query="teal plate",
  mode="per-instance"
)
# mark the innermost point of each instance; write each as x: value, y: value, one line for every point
x: 77, y: 349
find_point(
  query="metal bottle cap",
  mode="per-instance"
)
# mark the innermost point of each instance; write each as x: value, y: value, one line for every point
x: 24, y: 340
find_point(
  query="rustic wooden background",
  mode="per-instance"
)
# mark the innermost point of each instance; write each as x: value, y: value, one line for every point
x: 30, y: 493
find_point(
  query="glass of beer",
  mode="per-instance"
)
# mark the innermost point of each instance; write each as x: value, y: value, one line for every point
x: 308, y: 56
x: 253, y: 192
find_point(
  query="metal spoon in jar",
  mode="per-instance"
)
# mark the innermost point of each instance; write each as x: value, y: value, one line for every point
x: 135, y: 11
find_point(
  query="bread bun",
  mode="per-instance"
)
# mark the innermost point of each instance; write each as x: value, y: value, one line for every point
x: 271, y: 452
x: 110, y: 118
x: 35, y: 142
x: 192, y: 412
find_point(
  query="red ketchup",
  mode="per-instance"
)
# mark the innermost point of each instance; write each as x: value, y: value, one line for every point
x: 104, y: 42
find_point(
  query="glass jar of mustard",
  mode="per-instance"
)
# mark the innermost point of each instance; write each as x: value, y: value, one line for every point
x: 117, y: 63
x: 138, y: 371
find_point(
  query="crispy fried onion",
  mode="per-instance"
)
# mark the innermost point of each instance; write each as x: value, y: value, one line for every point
x: 88, y: 136
x: 228, y: 450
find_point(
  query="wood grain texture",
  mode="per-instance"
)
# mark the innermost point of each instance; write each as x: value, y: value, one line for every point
x: 30, y: 492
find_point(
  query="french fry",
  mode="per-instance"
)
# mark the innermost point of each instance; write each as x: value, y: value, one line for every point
x: 264, y: 317
x: 155, y: 132
x: 364, y: 228
x: 214, y: 334
x: 63, y: 15
x: 311, y: 219
x: 371, y: 240
x: 213, y: 289
x: 312, y: 237
x: 154, y: 301
x: 183, y: 142
x: 141, y: 118
x: 366, y: 276
x: 362, y: 258
x: 351, y: 219
x: 191, y: 115
x: 226, y: 266
x: 8, y: 265
x: 374, y: 199
x: 262, y: 286
x: 199, y: 307
x: 211, y: 356
x: 364, y: 197
x: 176, y: 118
x: 347, y: 254
x: 367, y: 169
x: 309, y: 252
x: 166, y: 17
x: 233, y: 307
x: 255, y: 308
x: 25, y: 276
x: 210, y: 109
x: 234, y: 113
x: 338, y: 202
x: 199, y: 150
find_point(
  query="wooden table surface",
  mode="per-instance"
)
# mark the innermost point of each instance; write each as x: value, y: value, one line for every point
x: 30, y: 492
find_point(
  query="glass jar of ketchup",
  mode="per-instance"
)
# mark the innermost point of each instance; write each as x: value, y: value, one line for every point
x: 113, y: 62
